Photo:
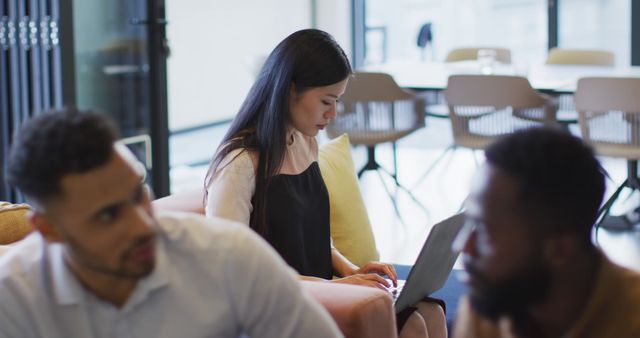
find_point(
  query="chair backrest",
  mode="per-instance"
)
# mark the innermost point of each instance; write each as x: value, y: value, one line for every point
x: 375, y: 109
x: 14, y: 224
x: 503, y: 55
x: 379, y: 87
x: 558, y: 56
x: 609, y: 115
x: 492, y: 90
x: 484, y: 107
x: 601, y: 94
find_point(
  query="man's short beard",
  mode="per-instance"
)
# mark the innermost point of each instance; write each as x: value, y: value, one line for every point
x: 84, y: 259
x: 512, y: 297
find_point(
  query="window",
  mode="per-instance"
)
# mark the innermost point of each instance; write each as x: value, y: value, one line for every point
x: 597, y: 24
x: 392, y: 28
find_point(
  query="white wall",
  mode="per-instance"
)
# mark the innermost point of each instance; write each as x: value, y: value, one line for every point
x: 213, y: 44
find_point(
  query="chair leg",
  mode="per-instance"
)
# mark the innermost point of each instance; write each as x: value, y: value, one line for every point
x: 632, y: 182
x: 361, y: 171
x: 391, y: 197
x: 462, y: 205
x: 606, y: 208
x: 433, y: 165
x: 406, y: 190
x: 632, y: 174
x: 394, y: 149
x: 475, y: 159
x: 371, y: 164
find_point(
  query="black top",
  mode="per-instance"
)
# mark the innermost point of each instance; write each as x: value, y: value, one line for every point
x: 297, y: 212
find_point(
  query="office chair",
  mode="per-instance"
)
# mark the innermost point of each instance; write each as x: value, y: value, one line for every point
x: 485, y: 107
x: 609, y: 117
x: 375, y: 110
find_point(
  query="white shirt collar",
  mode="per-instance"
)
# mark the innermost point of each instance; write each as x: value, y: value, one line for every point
x: 68, y: 290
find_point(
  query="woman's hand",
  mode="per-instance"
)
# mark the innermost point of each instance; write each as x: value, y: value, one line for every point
x: 371, y: 280
x: 385, y: 269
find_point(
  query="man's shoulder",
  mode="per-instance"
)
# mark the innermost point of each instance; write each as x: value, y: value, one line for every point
x: 614, y: 306
x: 215, y: 245
x: 469, y: 324
x: 628, y: 287
x: 23, y: 279
x: 23, y: 258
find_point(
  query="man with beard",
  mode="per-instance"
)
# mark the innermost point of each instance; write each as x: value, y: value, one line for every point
x: 533, y: 269
x: 101, y: 264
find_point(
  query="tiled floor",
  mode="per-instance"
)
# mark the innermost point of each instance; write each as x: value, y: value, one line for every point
x: 441, y: 193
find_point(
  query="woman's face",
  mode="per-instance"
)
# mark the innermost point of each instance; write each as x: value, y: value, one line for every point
x: 312, y: 109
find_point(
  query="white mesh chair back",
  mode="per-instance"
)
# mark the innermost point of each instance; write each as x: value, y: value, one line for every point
x: 503, y: 55
x: 484, y: 107
x: 558, y: 56
x: 374, y: 109
x: 609, y: 115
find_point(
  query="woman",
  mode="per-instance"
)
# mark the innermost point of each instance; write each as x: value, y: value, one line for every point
x: 265, y: 172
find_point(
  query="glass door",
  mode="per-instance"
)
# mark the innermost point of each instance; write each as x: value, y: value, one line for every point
x: 119, y: 66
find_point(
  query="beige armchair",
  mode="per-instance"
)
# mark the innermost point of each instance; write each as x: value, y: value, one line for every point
x: 485, y: 107
x: 359, y: 311
x: 576, y: 57
x: 558, y: 56
x: 503, y: 55
x: 13, y: 222
x: 374, y: 111
x: 609, y: 115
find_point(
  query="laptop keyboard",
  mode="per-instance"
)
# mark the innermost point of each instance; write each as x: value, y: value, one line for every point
x: 395, y: 290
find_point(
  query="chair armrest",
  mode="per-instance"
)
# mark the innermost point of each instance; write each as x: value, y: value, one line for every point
x: 359, y: 311
x: 188, y: 201
x: 14, y: 224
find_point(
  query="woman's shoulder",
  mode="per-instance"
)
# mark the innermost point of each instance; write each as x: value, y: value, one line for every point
x: 240, y: 158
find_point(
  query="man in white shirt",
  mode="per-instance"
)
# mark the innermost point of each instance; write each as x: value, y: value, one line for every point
x: 101, y: 264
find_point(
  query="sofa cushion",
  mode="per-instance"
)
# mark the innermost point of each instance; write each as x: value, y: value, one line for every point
x: 350, y: 226
x: 184, y: 201
x: 358, y: 311
x: 14, y: 224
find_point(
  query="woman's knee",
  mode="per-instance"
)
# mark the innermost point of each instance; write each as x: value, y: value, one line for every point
x: 431, y: 310
x: 415, y: 326
x: 434, y: 317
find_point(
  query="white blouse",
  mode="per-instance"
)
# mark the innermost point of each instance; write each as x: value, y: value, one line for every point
x: 233, y: 185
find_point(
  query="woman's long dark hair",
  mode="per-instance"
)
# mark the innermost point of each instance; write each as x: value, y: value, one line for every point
x: 307, y: 58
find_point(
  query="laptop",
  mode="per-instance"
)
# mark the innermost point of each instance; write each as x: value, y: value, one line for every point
x: 432, y: 268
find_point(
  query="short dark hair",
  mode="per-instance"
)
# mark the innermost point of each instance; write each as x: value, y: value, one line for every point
x: 54, y: 144
x: 561, y: 183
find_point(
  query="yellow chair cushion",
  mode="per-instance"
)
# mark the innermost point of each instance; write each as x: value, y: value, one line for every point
x: 350, y: 227
x: 14, y: 224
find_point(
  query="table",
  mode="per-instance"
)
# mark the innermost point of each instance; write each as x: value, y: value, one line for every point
x: 552, y: 79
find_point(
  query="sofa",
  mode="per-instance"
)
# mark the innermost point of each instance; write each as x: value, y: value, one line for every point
x: 359, y: 311
x: 13, y: 222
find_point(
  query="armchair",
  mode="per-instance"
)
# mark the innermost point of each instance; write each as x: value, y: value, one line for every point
x: 359, y: 311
